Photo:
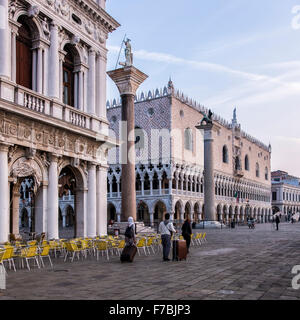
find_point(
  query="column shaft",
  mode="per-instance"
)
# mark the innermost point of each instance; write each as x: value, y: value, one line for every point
x: 4, y: 40
x: 54, y: 63
x: 4, y: 194
x: 209, y: 185
x: 101, y: 201
x: 91, y: 201
x: 13, y: 57
x: 52, y: 216
x: 92, y: 83
x: 39, y: 79
x: 128, y: 168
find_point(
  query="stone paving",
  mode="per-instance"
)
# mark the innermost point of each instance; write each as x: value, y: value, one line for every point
x: 233, y: 264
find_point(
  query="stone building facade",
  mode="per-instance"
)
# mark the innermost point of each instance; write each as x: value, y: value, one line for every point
x: 52, y: 112
x: 169, y: 162
x: 285, y: 193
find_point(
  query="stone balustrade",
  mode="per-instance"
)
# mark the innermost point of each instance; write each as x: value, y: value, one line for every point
x: 41, y: 104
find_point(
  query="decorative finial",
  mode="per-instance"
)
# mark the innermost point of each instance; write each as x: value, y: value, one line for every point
x: 234, y: 119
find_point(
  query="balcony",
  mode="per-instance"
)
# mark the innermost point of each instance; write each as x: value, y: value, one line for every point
x: 40, y: 106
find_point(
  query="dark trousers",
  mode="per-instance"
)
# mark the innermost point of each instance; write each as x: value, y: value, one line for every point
x: 187, y: 238
x: 277, y: 225
x: 166, y: 243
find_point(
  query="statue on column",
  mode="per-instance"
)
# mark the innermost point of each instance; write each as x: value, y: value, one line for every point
x: 207, y: 118
x: 128, y: 54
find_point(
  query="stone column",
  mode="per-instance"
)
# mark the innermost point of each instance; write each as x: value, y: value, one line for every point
x: 39, y: 79
x: 41, y: 208
x: 54, y: 63
x: 181, y: 215
x: 80, y: 90
x: 52, y: 216
x: 101, y: 194
x: 170, y: 185
x: 151, y: 185
x: 159, y: 185
x: 4, y: 40
x: 151, y: 219
x: 128, y: 79
x: 209, y: 183
x: 14, y: 33
x: 101, y: 90
x: 15, y: 209
x: 4, y: 194
x: 34, y: 69
x: 143, y: 186
x: 92, y: 82
x: 91, y: 201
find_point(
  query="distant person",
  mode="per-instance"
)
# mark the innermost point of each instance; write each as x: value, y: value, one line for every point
x: 130, y: 233
x: 166, y: 230
x: 186, y: 232
x: 277, y: 221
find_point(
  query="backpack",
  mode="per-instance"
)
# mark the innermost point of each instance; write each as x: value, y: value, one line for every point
x: 129, y: 232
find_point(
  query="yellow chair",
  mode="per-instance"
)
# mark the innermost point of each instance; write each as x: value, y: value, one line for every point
x: 31, y: 243
x: 29, y: 253
x: 2, y: 252
x: 120, y: 247
x: 101, y: 246
x: 71, y: 247
x: 204, y: 237
x: 44, y: 253
x: 192, y: 239
x: 198, y: 238
x: 141, y: 244
x: 149, y: 244
x: 8, y: 256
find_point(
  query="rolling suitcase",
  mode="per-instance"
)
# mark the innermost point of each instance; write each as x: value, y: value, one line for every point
x: 128, y: 254
x: 179, y: 250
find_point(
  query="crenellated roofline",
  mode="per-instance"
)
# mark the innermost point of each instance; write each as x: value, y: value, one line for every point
x: 170, y: 91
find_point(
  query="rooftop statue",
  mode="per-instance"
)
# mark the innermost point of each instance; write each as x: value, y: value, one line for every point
x: 128, y: 54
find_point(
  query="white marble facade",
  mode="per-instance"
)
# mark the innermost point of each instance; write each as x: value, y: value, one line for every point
x: 53, y: 112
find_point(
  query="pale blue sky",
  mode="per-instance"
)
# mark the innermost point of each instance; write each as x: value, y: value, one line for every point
x: 222, y: 53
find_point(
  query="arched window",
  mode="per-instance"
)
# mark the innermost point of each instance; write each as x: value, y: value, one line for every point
x: 68, y: 77
x: 247, y: 163
x: 225, y: 154
x: 24, y: 54
x: 266, y: 173
x: 257, y: 170
x: 188, y: 139
x: 237, y: 163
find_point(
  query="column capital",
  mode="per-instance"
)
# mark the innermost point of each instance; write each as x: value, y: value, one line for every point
x: 54, y: 157
x: 92, y: 165
x: 4, y: 146
x: 127, y: 79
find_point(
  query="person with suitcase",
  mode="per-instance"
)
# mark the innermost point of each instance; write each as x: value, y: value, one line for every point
x: 130, y: 249
x: 166, y: 230
x: 186, y: 232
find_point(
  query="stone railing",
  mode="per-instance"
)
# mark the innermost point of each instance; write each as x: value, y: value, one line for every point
x: 41, y: 104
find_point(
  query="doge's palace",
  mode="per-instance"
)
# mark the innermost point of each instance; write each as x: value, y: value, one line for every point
x: 53, y: 125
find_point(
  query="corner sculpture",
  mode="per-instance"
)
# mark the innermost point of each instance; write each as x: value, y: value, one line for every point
x: 207, y: 118
x: 128, y: 54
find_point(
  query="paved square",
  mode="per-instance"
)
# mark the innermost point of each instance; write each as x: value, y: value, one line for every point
x: 233, y: 264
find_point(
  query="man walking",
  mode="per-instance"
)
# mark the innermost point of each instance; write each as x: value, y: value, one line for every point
x: 166, y: 229
x: 277, y: 221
